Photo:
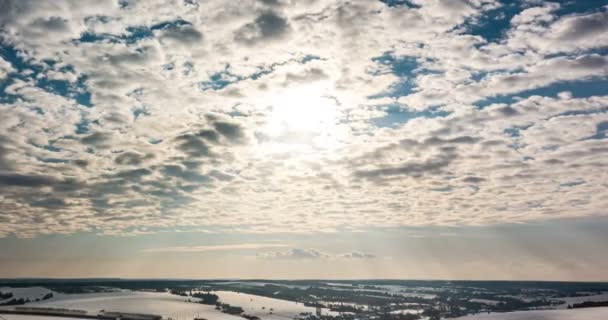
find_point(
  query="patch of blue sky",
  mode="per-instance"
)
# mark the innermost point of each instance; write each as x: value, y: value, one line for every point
x: 573, y: 183
x: 515, y: 131
x: 224, y: 78
x: 580, y: 7
x: 219, y: 80
x: 492, y: 25
x: 48, y: 147
x: 601, y: 131
x: 53, y: 160
x: 397, y: 116
x: 141, y: 111
x: 400, y: 3
x: 76, y: 91
x: 477, y: 75
x: 406, y: 68
x: 578, y: 89
x: 133, y: 34
x: 310, y: 57
x: 82, y: 127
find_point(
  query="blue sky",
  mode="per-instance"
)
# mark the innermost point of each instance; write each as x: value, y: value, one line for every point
x: 286, y: 139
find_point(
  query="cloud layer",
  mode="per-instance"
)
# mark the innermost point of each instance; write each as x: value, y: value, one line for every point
x: 126, y: 117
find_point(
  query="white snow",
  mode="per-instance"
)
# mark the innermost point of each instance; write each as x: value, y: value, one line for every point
x: 31, y: 293
x: 573, y: 314
x: 485, y: 301
x: 24, y: 317
x: 252, y: 304
x: 161, y: 303
x: 572, y: 300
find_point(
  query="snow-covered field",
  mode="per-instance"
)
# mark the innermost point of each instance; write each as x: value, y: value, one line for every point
x: 23, y: 317
x: 31, y: 293
x: 165, y: 304
x: 573, y: 300
x: 574, y: 314
x: 260, y: 306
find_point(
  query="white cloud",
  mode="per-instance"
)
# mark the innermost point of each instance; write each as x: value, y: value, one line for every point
x: 184, y: 127
x: 313, y: 254
x: 224, y: 247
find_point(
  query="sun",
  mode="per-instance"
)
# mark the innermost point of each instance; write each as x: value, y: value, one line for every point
x: 306, y: 114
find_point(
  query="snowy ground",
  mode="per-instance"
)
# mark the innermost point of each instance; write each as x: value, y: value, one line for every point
x: 573, y: 300
x: 23, y: 317
x: 260, y: 306
x: 164, y: 304
x: 574, y: 314
x: 31, y: 293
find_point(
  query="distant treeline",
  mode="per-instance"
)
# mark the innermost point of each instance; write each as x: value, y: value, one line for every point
x: 21, y: 301
x: 589, y: 304
x: 92, y: 285
x: 4, y: 296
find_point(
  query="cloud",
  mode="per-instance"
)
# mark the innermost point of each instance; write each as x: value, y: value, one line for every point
x: 317, y: 116
x: 267, y: 26
x: 313, y: 254
x: 225, y: 247
x: 357, y: 255
x: 295, y: 253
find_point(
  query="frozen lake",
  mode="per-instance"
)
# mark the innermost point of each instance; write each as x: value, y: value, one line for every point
x: 574, y: 314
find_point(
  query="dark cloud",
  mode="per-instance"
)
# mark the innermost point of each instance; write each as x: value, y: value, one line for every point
x: 473, y: 180
x: 80, y: 163
x: 49, y: 203
x: 231, y: 131
x: 436, y: 141
x: 220, y: 175
x: 182, y: 33
x: 193, y: 146
x: 585, y: 26
x: 182, y: 173
x: 357, y: 255
x: 267, y: 26
x: 209, y: 135
x: 22, y: 180
x: 131, y: 158
x: 135, y: 174
x: 309, y: 75
x: 97, y: 139
x: 51, y: 24
x: 413, y: 169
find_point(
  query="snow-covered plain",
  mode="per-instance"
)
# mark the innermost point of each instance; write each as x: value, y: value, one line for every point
x: 165, y: 304
x: 581, y: 299
x: 24, y: 317
x: 161, y: 303
x: 31, y: 293
x: 260, y: 306
x: 574, y: 314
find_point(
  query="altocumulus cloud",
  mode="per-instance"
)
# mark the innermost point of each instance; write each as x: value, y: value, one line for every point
x: 310, y: 253
x: 225, y: 247
x: 279, y: 116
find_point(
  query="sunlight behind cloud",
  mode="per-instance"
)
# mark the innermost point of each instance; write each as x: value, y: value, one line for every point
x: 303, y: 117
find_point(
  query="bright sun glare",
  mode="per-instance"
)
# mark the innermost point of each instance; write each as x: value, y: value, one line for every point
x: 303, y: 115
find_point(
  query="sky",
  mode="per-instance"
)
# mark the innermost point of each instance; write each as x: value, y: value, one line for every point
x: 439, y: 139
